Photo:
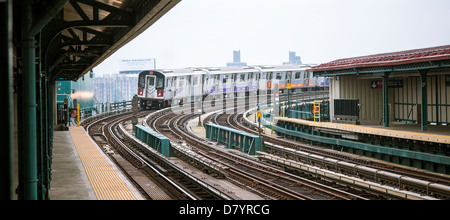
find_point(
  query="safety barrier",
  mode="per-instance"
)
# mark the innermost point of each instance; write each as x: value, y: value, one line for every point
x: 154, y: 140
x: 249, y: 143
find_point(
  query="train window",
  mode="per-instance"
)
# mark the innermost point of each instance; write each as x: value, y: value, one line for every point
x: 189, y: 80
x: 195, y: 80
x: 170, y: 82
x: 269, y: 76
x: 279, y: 76
x: 297, y: 75
x: 151, y: 81
x: 160, y: 82
x: 250, y: 76
x: 181, y: 82
x: 225, y: 78
x: 288, y: 75
x: 216, y: 79
x: 242, y: 77
x: 142, y: 81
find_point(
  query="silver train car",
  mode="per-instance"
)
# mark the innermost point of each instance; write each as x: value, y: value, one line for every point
x: 163, y: 88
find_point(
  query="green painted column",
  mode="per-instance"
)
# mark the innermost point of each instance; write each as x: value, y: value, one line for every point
x: 29, y: 106
x: 385, y: 100
x: 423, y: 95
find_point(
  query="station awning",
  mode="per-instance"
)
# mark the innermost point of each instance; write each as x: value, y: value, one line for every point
x: 77, y: 35
x: 427, y: 58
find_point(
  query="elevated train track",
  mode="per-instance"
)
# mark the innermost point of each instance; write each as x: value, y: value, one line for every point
x: 245, y: 171
x: 167, y: 181
x: 269, y: 175
x: 424, y: 185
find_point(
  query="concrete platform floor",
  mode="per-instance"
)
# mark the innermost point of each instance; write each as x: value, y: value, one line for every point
x: 69, y: 180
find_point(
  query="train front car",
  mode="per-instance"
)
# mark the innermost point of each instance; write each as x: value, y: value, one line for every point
x: 151, y: 89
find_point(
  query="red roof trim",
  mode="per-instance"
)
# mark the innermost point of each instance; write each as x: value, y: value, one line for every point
x: 388, y: 59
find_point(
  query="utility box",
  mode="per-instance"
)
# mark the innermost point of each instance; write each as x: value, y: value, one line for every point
x: 346, y: 110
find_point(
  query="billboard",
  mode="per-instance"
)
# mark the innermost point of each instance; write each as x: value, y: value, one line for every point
x: 135, y: 66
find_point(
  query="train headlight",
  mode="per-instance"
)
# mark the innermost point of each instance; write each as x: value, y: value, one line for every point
x: 160, y: 92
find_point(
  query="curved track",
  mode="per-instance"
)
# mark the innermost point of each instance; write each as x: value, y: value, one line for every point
x: 416, y: 181
x: 270, y: 182
x: 156, y: 178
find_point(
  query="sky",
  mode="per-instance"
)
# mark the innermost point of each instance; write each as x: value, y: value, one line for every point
x: 204, y: 33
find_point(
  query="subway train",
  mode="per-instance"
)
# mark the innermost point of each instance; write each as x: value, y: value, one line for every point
x: 164, y: 88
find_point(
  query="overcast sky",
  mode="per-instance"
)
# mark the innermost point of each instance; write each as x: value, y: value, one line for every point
x: 204, y: 33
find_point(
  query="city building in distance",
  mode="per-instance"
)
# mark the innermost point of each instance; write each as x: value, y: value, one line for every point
x: 293, y: 59
x: 237, y: 59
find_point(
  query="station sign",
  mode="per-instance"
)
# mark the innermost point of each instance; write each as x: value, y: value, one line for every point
x: 73, y: 113
x: 391, y: 84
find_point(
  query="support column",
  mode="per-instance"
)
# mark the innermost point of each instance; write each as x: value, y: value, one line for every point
x: 29, y: 138
x: 385, y: 100
x: 6, y: 112
x: 424, y: 105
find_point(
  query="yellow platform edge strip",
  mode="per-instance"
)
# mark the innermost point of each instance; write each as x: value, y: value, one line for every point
x: 105, y: 181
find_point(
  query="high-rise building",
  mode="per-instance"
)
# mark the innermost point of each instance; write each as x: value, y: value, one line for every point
x: 115, y: 87
x: 237, y: 59
x: 293, y: 59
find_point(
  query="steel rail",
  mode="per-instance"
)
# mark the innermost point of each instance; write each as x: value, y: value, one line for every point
x: 144, y: 161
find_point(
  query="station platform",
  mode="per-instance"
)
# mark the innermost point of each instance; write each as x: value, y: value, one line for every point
x: 82, y: 172
x: 436, y: 134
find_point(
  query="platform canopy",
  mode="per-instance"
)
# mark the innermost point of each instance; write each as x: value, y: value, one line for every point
x: 429, y: 68
x: 419, y: 59
x: 76, y: 35
x: 44, y: 42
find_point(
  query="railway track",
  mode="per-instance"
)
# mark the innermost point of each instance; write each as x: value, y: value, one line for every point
x: 269, y: 182
x: 155, y: 177
x: 268, y: 179
x: 416, y: 181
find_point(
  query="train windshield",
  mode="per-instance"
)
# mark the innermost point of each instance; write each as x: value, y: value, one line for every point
x: 151, y: 81
x: 160, y: 82
x: 141, y: 81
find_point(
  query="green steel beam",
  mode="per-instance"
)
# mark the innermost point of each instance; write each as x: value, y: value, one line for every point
x: 385, y: 100
x: 424, y: 105
x: 29, y: 138
x: 51, y: 11
x: 249, y: 143
x: 154, y: 140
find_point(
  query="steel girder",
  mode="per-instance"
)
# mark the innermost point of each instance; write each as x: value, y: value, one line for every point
x: 72, y: 42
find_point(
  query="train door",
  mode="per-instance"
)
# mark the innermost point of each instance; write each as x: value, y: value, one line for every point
x: 269, y: 78
x: 150, y: 88
x: 188, y: 89
x: 180, y: 91
x: 196, y: 87
x: 234, y: 83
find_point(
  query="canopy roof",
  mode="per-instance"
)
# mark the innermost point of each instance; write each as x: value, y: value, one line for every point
x: 77, y: 35
x: 426, y: 58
